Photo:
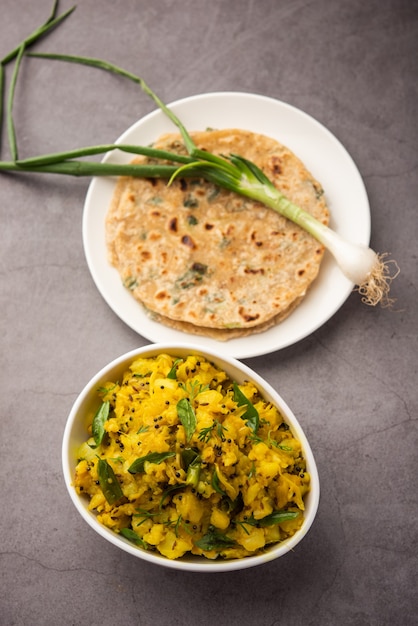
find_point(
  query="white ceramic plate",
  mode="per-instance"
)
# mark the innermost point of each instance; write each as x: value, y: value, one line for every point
x: 321, y: 153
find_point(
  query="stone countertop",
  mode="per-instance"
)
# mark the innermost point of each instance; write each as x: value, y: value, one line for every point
x: 352, y: 383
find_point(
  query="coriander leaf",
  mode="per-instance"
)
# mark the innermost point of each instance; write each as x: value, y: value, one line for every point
x: 193, y: 388
x: 251, y: 414
x: 205, y: 433
x: 138, y: 466
x: 108, y: 482
x: 187, y: 417
x: 97, y: 428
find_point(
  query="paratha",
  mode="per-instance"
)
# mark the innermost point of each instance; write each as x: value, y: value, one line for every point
x: 222, y: 334
x: 207, y: 260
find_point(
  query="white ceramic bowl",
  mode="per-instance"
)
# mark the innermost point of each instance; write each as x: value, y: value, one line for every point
x: 75, y: 435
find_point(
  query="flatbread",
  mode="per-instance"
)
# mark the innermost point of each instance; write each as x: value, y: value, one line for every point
x: 200, y: 257
x: 223, y: 334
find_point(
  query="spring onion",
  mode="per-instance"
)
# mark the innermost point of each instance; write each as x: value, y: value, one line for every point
x: 40, y: 32
x: 37, y: 34
x: 10, y: 123
x: 370, y: 271
x: 193, y: 472
x: 2, y: 87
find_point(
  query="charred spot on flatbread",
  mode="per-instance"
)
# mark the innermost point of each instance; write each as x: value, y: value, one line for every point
x: 203, y: 258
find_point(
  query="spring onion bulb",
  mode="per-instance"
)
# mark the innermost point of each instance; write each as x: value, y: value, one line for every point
x: 371, y: 272
x: 366, y: 269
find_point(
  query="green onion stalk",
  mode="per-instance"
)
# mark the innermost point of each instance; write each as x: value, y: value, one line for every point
x: 52, y: 22
x: 371, y: 272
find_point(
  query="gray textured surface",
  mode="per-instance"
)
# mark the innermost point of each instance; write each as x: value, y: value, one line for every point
x: 353, y: 384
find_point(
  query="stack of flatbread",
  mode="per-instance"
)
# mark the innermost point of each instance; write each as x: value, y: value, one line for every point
x: 208, y: 261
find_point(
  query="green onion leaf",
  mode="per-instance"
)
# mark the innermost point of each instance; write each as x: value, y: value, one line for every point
x: 108, y: 482
x: 138, y: 466
x: 110, y: 67
x: 58, y: 157
x: 2, y: 94
x: 51, y: 23
x: 84, y: 168
x: 189, y: 456
x: 10, y: 124
x: 39, y: 32
x: 193, y: 472
x: 249, y: 169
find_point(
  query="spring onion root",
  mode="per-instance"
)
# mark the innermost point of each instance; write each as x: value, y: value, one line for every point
x: 375, y: 289
x: 372, y: 273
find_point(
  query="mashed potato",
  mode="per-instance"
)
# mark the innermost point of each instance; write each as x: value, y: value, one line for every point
x: 180, y: 459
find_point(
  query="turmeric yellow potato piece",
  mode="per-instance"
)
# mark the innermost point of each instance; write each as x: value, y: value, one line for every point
x: 220, y: 519
x: 272, y: 534
x: 155, y: 535
x: 254, y: 540
x: 174, y: 547
x: 251, y: 493
x: 97, y: 502
x: 267, y: 470
x: 189, y: 507
x: 262, y: 507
